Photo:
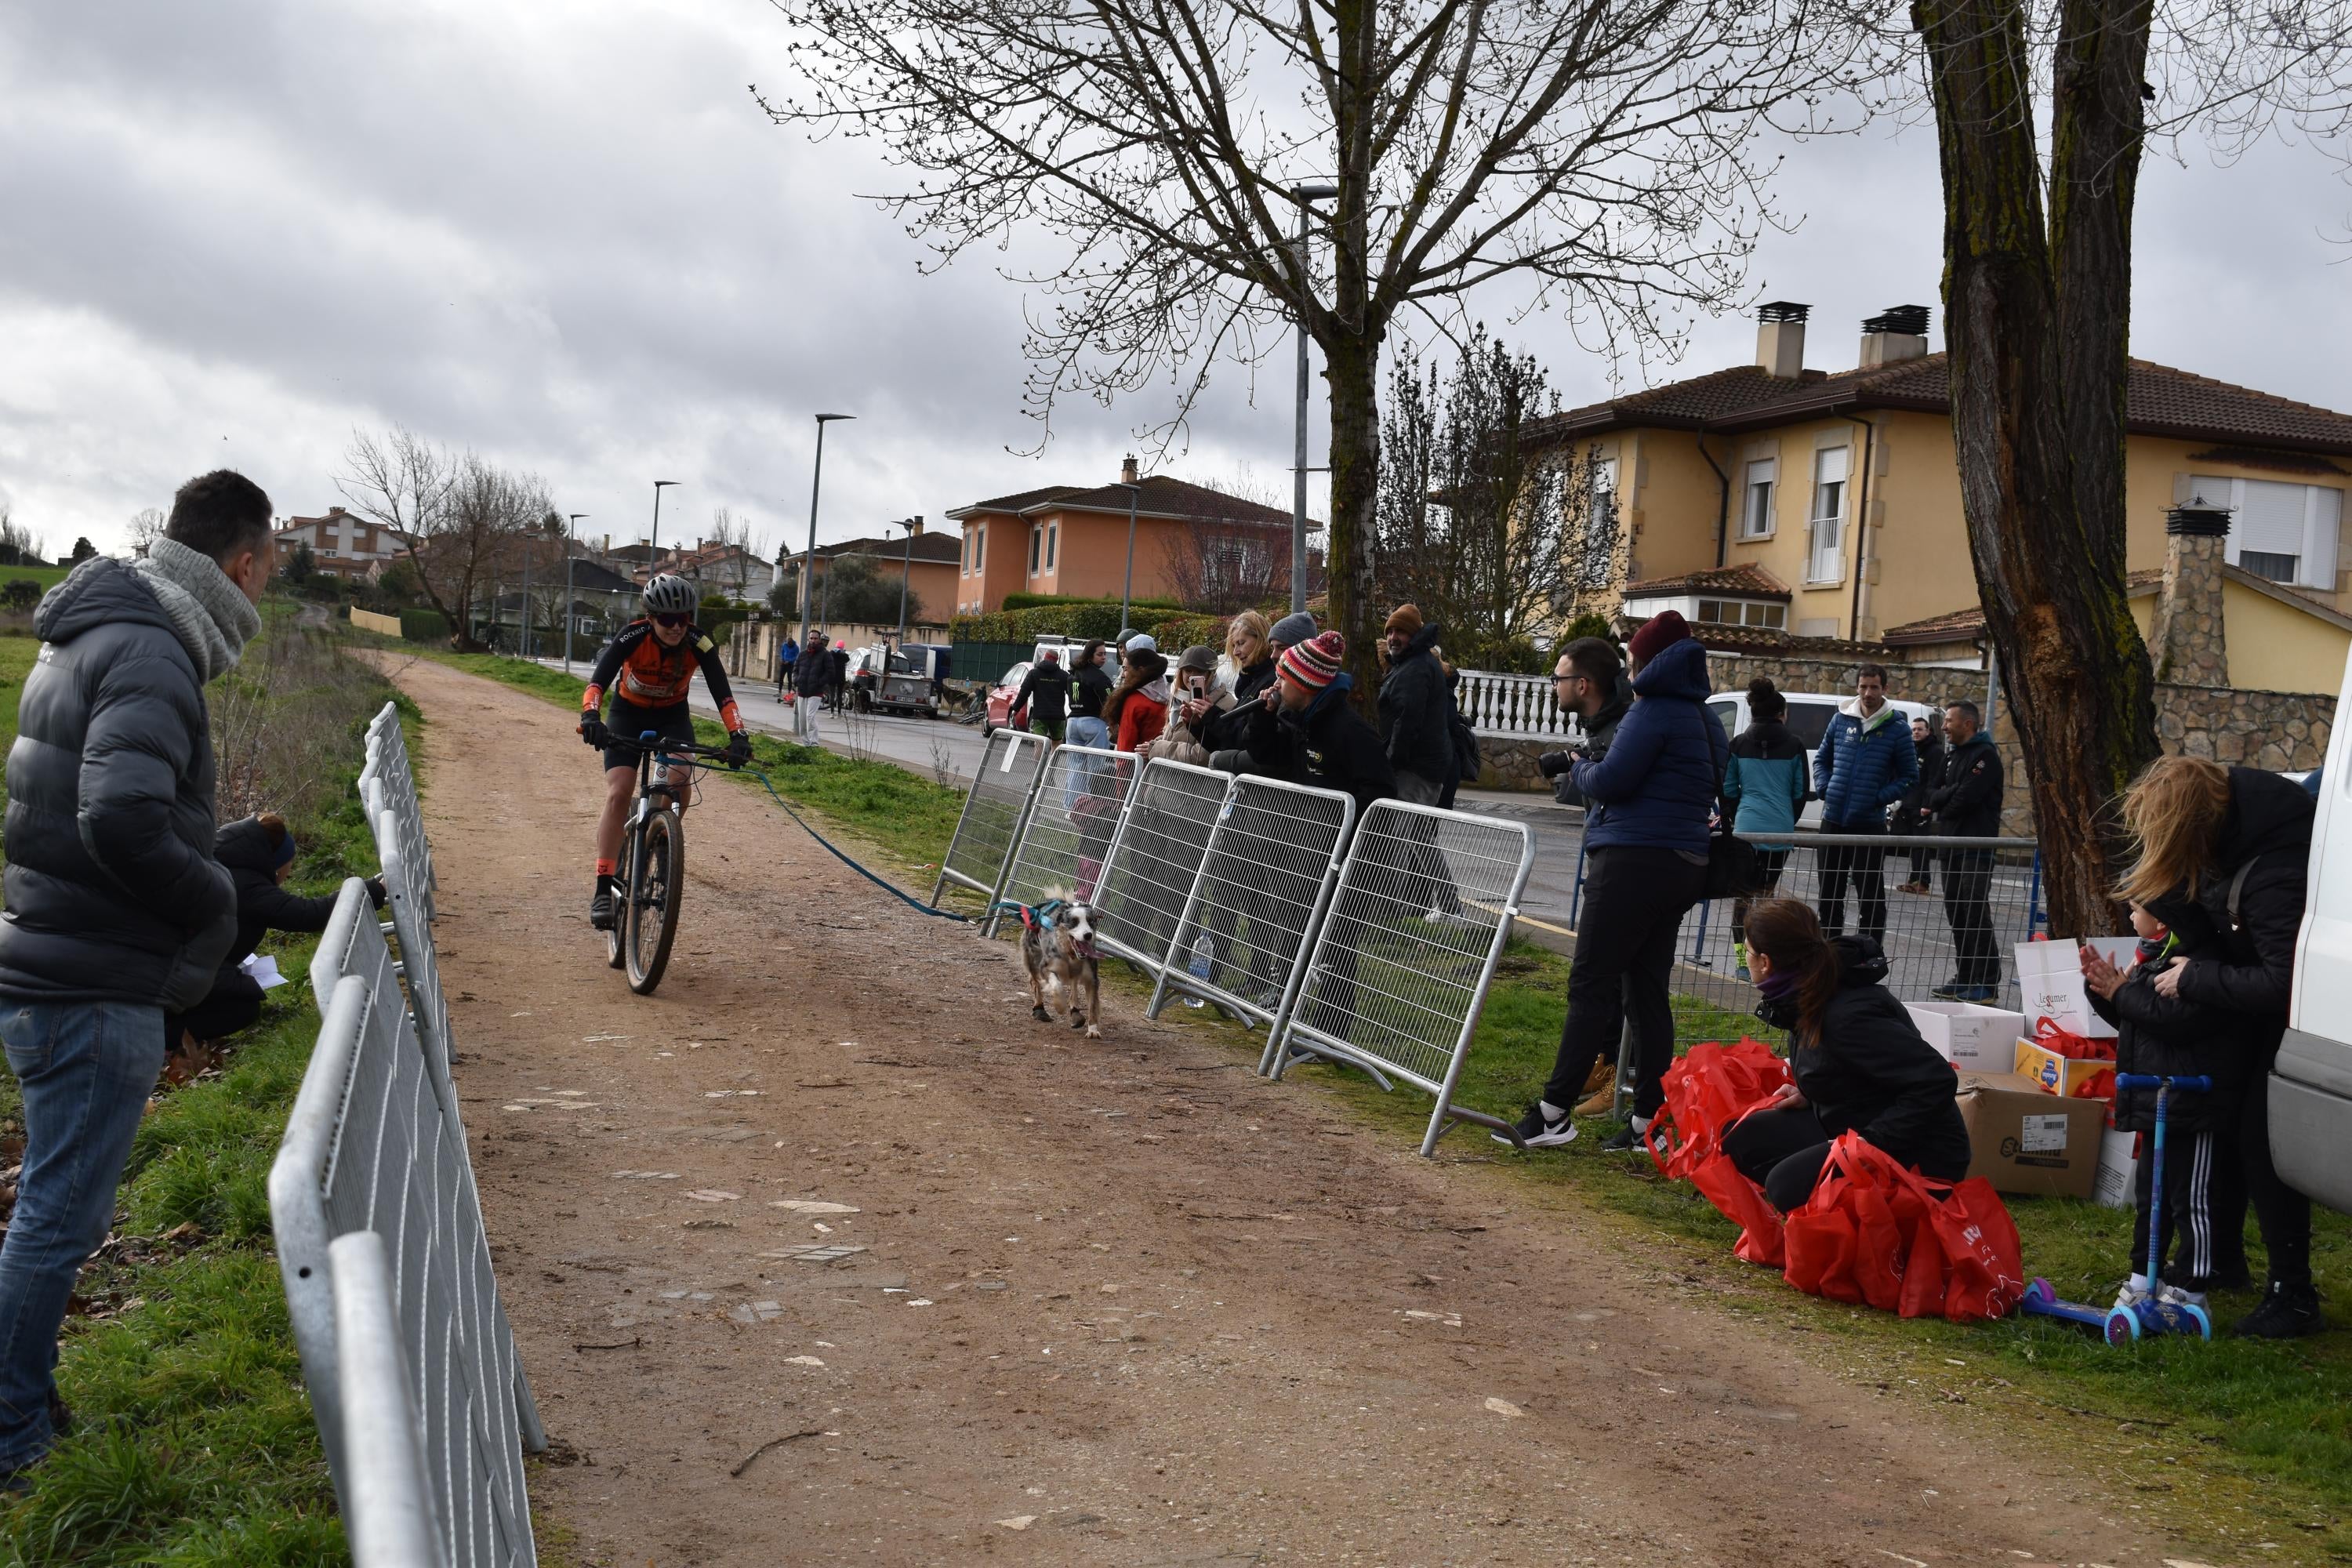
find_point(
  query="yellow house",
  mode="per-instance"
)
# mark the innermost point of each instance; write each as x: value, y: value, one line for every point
x: 1826, y: 504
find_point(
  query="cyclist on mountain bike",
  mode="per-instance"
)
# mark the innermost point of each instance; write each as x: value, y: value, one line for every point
x: 654, y: 659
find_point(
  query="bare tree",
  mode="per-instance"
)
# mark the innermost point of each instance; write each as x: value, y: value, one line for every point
x: 1607, y: 153
x: 1221, y: 564
x: 19, y: 545
x: 404, y: 482
x: 731, y: 572
x: 2037, y: 297
x: 147, y: 526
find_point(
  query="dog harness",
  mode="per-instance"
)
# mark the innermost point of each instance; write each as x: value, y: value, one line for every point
x: 1041, y: 917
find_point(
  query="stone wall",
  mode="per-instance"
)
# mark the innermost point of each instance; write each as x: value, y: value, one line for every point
x: 2273, y: 729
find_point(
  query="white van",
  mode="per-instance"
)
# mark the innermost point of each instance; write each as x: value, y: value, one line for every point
x: 1809, y: 713
x: 2311, y: 1087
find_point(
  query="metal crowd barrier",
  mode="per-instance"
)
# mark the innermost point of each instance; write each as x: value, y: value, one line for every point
x: 1273, y: 852
x: 420, y: 962
x: 388, y: 1503
x: 1081, y: 796
x: 375, y: 1143
x: 388, y: 782
x: 1155, y: 860
x: 993, y: 810
x: 1401, y: 964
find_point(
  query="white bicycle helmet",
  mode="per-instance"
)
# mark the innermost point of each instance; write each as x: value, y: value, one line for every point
x: 669, y: 595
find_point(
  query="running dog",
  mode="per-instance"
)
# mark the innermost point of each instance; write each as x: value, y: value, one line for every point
x: 1057, y: 947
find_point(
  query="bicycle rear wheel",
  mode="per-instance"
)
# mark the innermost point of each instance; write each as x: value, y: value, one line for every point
x: 654, y: 901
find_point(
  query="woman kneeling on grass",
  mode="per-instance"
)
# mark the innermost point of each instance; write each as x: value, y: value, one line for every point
x: 1860, y: 1064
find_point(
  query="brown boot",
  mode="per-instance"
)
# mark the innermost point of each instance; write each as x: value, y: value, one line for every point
x: 1601, y: 1102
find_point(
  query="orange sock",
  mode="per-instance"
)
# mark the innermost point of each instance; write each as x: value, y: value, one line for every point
x: 605, y: 867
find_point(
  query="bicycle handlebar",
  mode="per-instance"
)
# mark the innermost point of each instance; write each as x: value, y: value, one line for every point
x: 651, y: 741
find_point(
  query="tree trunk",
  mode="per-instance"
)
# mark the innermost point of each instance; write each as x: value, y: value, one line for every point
x: 1351, y: 366
x: 2037, y: 392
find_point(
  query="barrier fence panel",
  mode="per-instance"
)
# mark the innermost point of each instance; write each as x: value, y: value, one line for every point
x: 1156, y: 860
x: 1067, y: 835
x: 1400, y: 967
x: 420, y: 962
x: 386, y: 766
x: 994, y: 809
x: 387, y: 1502
x: 372, y: 1145
x: 1273, y: 851
x: 1983, y: 900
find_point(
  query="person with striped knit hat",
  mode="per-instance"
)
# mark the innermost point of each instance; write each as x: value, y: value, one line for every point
x: 1317, y: 737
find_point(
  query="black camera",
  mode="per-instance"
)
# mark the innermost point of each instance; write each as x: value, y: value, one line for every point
x: 1554, y: 763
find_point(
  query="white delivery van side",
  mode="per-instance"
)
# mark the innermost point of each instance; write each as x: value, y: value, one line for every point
x: 2311, y: 1087
x: 1809, y: 713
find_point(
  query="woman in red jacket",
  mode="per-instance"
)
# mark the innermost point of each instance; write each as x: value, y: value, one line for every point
x: 1136, y: 708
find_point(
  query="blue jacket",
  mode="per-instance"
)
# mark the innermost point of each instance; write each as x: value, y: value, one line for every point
x: 1656, y: 786
x: 1860, y: 772
x: 1765, y: 781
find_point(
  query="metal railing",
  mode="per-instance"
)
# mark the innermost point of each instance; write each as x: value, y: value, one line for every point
x: 1402, y: 963
x: 388, y: 781
x: 1155, y: 861
x: 1081, y: 797
x: 977, y: 858
x: 387, y: 1501
x: 375, y: 1143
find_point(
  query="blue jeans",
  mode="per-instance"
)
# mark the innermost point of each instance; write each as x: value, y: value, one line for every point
x: 86, y: 1068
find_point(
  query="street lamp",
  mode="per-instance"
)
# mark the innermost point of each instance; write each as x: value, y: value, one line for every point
x: 653, y: 545
x: 906, y: 571
x: 808, y: 561
x: 1312, y: 191
x: 569, y: 532
x: 1127, y: 592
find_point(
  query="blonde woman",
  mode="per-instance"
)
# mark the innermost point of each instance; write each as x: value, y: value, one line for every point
x: 1247, y: 673
x: 2227, y: 849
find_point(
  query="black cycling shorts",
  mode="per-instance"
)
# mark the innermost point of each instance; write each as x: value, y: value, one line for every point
x: 627, y: 722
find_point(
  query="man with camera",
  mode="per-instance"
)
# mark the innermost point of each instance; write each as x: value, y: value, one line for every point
x: 1589, y: 683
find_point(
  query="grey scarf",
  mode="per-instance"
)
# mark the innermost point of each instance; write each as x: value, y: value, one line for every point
x: 213, y: 618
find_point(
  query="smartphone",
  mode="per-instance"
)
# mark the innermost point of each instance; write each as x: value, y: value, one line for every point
x: 1198, y: 685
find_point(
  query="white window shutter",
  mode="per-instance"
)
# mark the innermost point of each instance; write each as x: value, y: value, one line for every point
x: 2322, y: 523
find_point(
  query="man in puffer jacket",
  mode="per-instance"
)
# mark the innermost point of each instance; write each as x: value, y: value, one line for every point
x: 116, y: 908
x: 1866, y: 762
x: 1646, y: 865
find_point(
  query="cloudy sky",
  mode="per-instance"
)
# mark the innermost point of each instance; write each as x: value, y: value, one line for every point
x: 563, y: 234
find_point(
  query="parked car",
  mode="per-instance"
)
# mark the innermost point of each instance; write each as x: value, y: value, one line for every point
x: 1809, y: 713
x: 999, y: 699
x: 890, y: 680
x: 2311, y: 1085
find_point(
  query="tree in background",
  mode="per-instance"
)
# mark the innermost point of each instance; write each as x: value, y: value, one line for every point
x: 731, y: 573
x: 18, y: 545
x: 19, y: 595
x: 2037, y: 299
x: 1477, y: 527
x: 455, y: 515
x: 782, y: 601
x: 298, y: 565
x: 1607, y: 155
x: 147, y: 526
x: 82, y: 551
x: 863, y: 588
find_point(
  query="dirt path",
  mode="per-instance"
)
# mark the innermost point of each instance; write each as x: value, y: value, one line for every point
x: 1117, y: 1301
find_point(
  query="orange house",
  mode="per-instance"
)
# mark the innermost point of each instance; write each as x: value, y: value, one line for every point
x: 1192, y: 544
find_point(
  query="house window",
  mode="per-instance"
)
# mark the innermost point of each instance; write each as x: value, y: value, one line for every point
x: 1036, y: 541
x: 979, y: 548
x: 1741, y: 613
x: 2285, y: 532
x: 1825, y: 560
x: 1053, y: 535
x: 1756, y: 500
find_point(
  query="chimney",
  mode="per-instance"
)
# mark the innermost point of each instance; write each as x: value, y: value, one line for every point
x: 915, y: 526
x: 2189, y: 647
x: 1895, y: 335
x: 1780, y: 339
x: 1127, y: 475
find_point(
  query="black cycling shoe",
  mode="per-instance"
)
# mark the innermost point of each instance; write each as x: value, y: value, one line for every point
x: 2287, y: 1312
x: 600, y: 910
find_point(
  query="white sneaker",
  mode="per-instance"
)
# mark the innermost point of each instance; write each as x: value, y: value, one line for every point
x: 1538, y: 1131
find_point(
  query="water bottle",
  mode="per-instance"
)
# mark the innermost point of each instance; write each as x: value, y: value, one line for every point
x: 1205, y: 955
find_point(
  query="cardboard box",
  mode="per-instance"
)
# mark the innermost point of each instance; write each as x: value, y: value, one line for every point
x: 2049, y: 982
x: 2115, y: 1185
x: 2023, y: 1140
x: 2055, y: 1074
x: 1973, y: 1039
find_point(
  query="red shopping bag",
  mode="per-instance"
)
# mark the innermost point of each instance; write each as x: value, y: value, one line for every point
x: 1743, y: 1202
x: 2077, y: 1048
x: 1875, y: 1230
x: 1706, y: 1093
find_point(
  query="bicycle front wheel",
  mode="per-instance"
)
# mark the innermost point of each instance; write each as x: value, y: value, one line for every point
x: 654, y: 899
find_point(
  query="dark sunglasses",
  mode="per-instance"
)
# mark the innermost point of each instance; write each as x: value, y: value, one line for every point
x: 671, y: 620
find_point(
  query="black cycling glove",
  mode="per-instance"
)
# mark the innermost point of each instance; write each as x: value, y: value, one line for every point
x: 592, y: 730
x: 738, y: 748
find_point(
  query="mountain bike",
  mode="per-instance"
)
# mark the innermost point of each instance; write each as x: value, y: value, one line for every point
x: 649, y: 878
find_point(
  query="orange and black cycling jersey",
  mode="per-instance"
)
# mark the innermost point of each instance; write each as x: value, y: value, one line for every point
x: 653, y: 676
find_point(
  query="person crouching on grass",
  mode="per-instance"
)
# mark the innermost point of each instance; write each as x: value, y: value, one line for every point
x: 1859, y: 1063
x: 2169, y: 1037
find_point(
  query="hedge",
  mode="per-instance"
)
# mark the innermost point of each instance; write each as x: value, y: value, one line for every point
x: 425, y: 626
x: 1026, y: 601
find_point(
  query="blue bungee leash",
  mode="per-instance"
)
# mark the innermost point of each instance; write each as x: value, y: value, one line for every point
x: 905, y: 899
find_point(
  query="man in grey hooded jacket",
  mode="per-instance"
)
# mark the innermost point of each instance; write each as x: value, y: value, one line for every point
x: 116, y: 910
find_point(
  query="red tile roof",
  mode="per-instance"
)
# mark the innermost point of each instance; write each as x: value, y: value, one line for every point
x: 1159, y: 496
x: 2159, y: 400
x: 1746, y: 579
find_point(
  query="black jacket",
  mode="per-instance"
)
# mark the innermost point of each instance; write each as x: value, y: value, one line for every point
x: 2269, y: 826
x: 812, y: 672
x: 1598, y: 731
x: 1966, y: 803
x: 113, y: 894
x: 1089, y: 684
x: 1228, y: 729
x: 1871, y: 1073
x: 1415, y: 712
x: 1326, y: 746
x: 2174, y: 1037
x: 262, y: 906
x: 1911, y: 812
x: 1047, y: 692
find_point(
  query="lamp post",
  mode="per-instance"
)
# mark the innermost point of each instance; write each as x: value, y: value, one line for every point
x: 569, y: 533
x: 906, y: 571
x: 653, y: 545
x: 1127, y: 592
x: 1312, y: 191
x: 808, y: 561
